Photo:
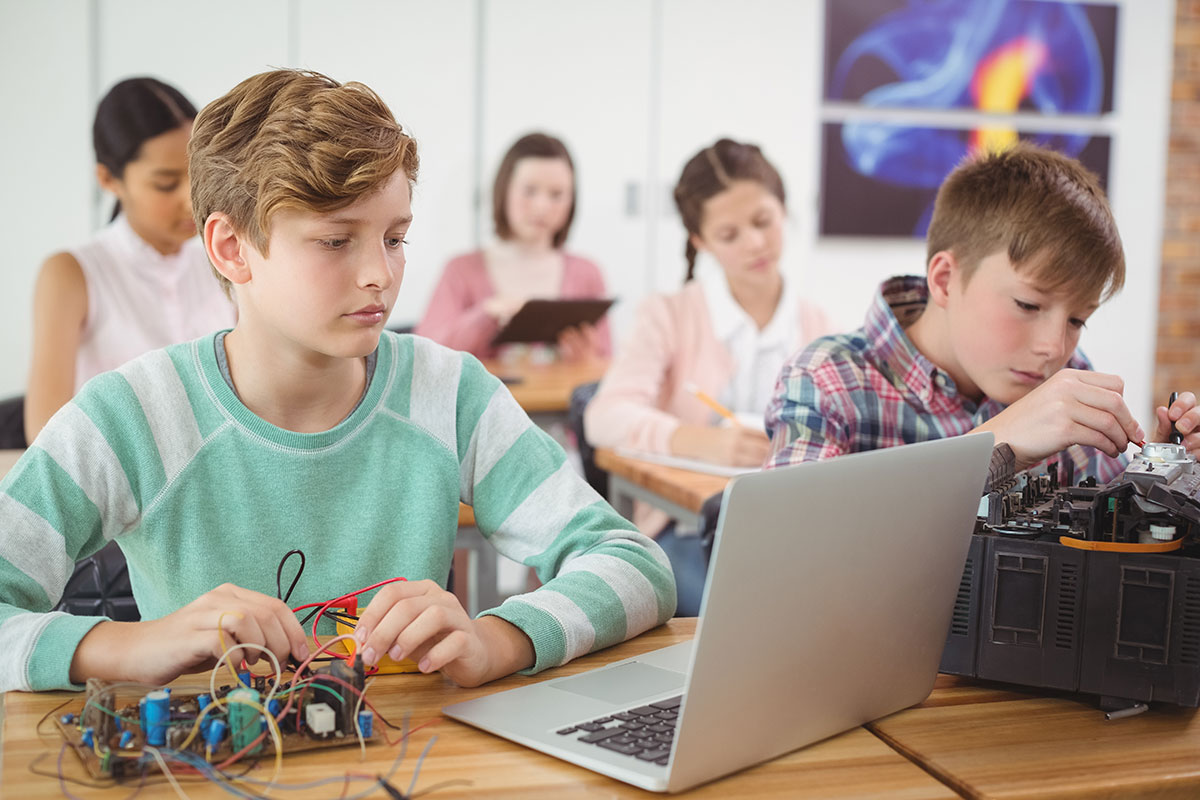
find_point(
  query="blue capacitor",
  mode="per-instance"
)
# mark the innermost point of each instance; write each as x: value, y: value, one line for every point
x: 244, y: 679
x: 156, y: 715
x: 274, y: 707
x: 204, y: 701
x: 67, y: 719
x: 366, y: 722
x: 89, y: 736
x: 126, y: 739
x: 215, y: 733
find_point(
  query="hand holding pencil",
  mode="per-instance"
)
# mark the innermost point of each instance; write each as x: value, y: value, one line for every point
x: 707, y: 399
x: 735, y: 445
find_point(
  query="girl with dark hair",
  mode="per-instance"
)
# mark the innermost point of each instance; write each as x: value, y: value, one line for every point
x: 726, y: 334
x: 533, y: 204
x: 143, y: 281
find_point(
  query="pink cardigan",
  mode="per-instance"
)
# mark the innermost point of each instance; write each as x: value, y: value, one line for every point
x: 642, y: 399
x: 456, y: 318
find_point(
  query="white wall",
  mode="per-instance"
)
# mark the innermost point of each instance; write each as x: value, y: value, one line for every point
x: 634, y: 86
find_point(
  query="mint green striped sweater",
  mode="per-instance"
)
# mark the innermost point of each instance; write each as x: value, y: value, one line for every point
x: 162, y: 456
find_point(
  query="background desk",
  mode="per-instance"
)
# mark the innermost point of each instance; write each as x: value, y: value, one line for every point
x: 854, y: 764
x: 679, y: 492
x: 545, y: 389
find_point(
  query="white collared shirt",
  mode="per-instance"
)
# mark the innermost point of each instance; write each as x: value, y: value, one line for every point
x: 757, y: 354
x: 140, y: 300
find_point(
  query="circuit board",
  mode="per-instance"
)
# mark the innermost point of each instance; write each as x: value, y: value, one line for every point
x: 320, y: 712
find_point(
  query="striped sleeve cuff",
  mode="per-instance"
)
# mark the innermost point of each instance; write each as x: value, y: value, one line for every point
x: 42, y: 649
x: 547, y: 634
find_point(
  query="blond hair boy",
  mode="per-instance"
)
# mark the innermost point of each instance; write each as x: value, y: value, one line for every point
x: 1022, y: 248
x: 307, y: 426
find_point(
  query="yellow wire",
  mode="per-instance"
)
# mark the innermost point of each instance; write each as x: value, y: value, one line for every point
x: 221, y: 636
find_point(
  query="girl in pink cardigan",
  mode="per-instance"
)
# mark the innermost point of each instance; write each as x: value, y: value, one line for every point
x: 533, y: 203
x: 727, y: 332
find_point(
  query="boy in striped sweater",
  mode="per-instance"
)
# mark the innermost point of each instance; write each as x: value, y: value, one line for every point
x: 306, y: 426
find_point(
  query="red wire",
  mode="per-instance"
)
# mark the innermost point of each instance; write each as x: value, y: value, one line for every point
x: 327, y: 605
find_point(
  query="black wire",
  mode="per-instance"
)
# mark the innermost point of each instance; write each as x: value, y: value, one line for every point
x: 309, y: 616
x: 345, y: 619
x: 279, y: 575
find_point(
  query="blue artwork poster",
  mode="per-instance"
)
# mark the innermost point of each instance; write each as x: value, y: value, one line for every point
x: 984, y: 57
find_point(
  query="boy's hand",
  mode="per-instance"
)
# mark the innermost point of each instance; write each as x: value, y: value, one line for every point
x: 1183, y: 415
x: 422, y: 621
x: 735, y: 446
x: 579, y: 343
x: 1072, y: 407
x: 160, y: 650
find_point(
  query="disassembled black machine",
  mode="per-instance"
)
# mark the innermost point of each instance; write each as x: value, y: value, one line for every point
x: 1086, y: 588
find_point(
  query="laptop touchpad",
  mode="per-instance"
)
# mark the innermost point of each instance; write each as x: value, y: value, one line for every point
x: 622, y: 684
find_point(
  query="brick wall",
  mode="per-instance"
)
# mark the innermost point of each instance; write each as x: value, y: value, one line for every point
x: 1177, y: 364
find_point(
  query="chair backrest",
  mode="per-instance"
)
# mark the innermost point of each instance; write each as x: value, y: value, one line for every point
x: 100, y: 587
x: 580, y: 397
x: 12, y: 423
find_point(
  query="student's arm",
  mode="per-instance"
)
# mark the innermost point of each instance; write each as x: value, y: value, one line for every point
x: 453, y: 319
x: 809, y: 417
x: 588, y: 341
x: 625, y: 412
x: 67, y: 496
x: 159, y: 650
x: 60, y: 303
x: 1073, y: 407
x: 603, y: 582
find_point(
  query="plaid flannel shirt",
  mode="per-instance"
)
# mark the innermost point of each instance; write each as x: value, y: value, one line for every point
x: 872, y: 388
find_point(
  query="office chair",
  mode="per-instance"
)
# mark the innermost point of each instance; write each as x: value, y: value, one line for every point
x: 12, y: 423
x: 580, y: 397
x: 100, y: 587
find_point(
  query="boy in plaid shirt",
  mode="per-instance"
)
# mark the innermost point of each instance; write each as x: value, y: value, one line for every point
x: 1022, y: 248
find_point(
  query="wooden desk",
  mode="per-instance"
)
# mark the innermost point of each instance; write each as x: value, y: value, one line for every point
x: 544, y: 388
x: 989, y: 740
x: 854, y: 764
x: 679, y: 492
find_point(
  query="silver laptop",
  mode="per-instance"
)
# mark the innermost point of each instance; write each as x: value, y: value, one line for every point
x: 828, y: 601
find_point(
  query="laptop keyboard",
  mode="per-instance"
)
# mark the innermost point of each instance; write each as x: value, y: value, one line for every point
x: 645, y: 732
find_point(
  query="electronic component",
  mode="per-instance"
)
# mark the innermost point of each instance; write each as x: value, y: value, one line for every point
x: 1086, y: 588
x: 338, y: 684
x: 316, y: 708
x: 112, y: 745
x: 320, y: 719
x: 245, y: 721
x: 215, y: 733
x: 156, y: 712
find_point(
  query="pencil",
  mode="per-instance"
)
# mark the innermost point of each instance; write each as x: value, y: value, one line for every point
x: 703, y: 397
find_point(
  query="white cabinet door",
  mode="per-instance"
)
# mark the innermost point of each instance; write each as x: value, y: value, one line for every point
x: 752, y: 75
x: 46, y: 158
x: 204, y: 51
x: 582, y: 72
x: 420, y: 56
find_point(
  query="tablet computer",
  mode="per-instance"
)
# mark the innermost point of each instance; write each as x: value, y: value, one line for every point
x: 544, y: 320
